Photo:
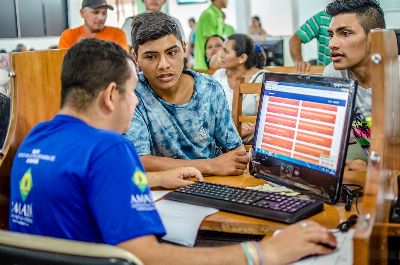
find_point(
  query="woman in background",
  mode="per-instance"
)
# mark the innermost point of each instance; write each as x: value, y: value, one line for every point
x: 241, y: 57
x: 256, y: 31
x: 213, y: 46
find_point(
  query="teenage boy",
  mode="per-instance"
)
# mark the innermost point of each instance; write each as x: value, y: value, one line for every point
x: 183, y: 118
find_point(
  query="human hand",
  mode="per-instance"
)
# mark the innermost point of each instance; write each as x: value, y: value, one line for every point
x: 356, y: 165
x: 231, y: 163
x: 302, y: 67
x: 174, y: 178
x: 247, y: 129
x: 298, y: 241
x: 215, y: 62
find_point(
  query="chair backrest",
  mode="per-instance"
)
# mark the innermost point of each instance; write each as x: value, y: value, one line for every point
x: 35, y: 97
x: 208, y: 71
x: 237, y: 114
x: 22, y: 249
x: 314, y: 69
x: 373, y: 226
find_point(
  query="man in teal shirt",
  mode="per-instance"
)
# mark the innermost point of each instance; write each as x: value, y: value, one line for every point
x: 210, y: 23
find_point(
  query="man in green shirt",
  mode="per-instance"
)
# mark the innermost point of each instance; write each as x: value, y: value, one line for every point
x: 315, y: 27
x: 210, y: 23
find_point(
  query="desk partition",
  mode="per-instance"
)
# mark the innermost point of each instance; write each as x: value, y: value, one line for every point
x: 34, y: 96
x: 373, y: 228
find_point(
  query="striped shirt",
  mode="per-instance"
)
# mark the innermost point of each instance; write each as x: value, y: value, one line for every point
x: 317, y: 27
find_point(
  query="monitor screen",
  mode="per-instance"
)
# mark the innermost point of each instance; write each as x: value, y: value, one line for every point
x: 397, y: 31
x: 302, y: 130
x: 273, y: 48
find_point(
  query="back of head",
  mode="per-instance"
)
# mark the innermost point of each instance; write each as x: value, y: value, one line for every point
x: 369, y: 13
x: 152, y: 26
x: 90, y: 66
x: 245, y: 45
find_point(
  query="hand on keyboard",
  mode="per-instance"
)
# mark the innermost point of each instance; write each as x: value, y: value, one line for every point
x: 297, y: 241
x: 174, y: 178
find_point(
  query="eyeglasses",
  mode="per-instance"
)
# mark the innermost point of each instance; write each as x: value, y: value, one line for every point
x: 346, y: 225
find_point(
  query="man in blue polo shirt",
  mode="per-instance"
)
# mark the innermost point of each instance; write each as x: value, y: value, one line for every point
x: 76, y: 177
x: 70, y: 172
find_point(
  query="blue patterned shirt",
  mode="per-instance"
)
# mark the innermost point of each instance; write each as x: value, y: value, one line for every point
x: 199, y: 129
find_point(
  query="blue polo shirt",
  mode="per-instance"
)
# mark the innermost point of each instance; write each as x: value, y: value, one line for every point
x: 73, y: 181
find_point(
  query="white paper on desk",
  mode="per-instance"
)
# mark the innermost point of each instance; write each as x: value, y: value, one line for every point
x: 158, y: 194
x: 342, y: 255
x: 182, y: 220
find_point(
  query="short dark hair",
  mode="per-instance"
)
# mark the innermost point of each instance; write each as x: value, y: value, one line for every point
x: 245, y: 45
x: 90, y: 66
x: 369, y: 12
x: 153, y: 26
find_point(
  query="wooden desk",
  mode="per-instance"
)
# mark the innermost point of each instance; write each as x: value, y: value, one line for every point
x: 226, y: 222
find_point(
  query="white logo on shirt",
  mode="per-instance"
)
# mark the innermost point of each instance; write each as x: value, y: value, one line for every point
x: 142, y: 202
x: 201, y: 135
x: 36, y: 156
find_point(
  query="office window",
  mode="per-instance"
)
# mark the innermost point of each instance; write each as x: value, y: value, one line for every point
x: 33, y: 18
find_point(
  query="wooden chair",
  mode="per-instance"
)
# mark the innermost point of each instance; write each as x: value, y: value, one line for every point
x: 208, y: 71
x: 36, y: 96
x: 237, y: 114
x: 373, y: 228
x: 22, y: 249
x: 314, y: 70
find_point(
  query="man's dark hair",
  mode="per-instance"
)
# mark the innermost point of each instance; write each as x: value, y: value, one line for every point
x: 153, y: 26
x: 245, y: 45
x: 90, y: 66
x: 369, y: 12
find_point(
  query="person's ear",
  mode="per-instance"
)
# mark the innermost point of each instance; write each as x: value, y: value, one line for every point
x: 184, y: 47
x: 81, y: 11
x: 108, y: 97
x: 243, y: 58
x: 134, y: 56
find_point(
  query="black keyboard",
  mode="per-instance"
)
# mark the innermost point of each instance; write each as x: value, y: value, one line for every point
x: 266, y: 205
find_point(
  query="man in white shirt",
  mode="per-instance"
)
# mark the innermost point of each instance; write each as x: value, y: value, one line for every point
x: 352, y: 20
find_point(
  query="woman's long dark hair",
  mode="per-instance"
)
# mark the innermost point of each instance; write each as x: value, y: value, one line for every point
x: 245, y: 45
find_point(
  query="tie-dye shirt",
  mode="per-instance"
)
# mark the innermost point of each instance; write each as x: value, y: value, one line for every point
x: 199, y: 129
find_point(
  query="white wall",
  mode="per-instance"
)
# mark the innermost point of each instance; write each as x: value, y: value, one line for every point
x: 276, y: 16
x: 184, y: 12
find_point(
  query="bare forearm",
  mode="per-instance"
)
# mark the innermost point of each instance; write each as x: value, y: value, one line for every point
x: 295, y: 48
x: 156, y: 253
x: 156, y: 163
